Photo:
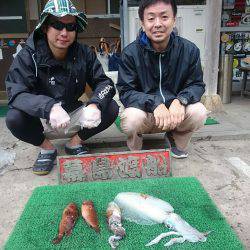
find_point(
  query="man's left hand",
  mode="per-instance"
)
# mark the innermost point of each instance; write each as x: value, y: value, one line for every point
x: 177, y: 111
x: 90, y: 117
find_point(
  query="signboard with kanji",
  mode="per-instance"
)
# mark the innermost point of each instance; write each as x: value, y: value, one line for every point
x: 114, y: 166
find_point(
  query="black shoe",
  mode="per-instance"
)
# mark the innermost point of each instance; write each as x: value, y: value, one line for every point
x: 79, y: 150
x: 44, y: 163
x: 175, y: 152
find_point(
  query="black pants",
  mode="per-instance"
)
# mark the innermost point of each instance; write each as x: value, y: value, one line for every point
x: 30, y: 129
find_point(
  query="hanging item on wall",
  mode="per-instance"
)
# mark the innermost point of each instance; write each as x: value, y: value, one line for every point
x: 245, y: 62
x: 247, y: 9
x: 236, y: 15
x: 245, y: 20
x: 228, y: 4
x: 225, y: 37
x: 235, y: 63
x: 238, y: 46
x: 3, y: 44
x: 229, y: 46
x: 11, y: 43
x: 225, y: 18
x: 246, y: 47
x: 240, y: 5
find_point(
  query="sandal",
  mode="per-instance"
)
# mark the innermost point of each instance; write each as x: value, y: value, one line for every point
x: 44, y: 163
x: 76, y: 150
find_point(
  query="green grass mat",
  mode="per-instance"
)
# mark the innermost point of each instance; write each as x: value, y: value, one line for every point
x: 118, y: 123
x: 3, y: 110
x: 209, y: 121
x: 38, y: 224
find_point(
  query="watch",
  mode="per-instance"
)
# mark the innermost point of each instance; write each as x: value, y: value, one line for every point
x: 183, y: 100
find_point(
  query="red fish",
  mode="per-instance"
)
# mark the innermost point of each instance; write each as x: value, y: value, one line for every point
x: 89, y: 215
x: 69, y: 218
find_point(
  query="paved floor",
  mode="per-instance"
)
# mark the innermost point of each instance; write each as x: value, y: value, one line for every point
x: 213, y: 151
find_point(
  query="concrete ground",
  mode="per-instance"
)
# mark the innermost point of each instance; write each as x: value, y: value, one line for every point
x: 218, y: 157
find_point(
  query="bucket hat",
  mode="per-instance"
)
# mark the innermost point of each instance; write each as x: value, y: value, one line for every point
x: 61, y: 8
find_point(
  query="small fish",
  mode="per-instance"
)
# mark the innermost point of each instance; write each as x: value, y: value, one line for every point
x: 69, y: 218
x: 114, y: 218
x: 89, y: 215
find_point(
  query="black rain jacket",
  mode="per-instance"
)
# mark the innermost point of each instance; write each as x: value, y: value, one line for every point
x: 148, y: 78
x: 36, y: 81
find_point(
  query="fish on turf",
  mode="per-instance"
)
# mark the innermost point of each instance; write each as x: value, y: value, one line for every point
x: 69, y: 218
x: 89, y: 215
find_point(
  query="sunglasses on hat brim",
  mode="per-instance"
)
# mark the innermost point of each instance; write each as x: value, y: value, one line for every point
x: 60, y: 26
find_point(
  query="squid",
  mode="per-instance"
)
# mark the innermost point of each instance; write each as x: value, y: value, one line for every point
x: 148, y: 210
x: 113, y: 215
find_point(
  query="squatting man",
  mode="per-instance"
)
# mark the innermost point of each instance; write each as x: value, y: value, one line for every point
x: 160, y: 81
x: 45, y: 81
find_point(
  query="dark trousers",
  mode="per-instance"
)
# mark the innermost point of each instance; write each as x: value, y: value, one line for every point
x: 30, y: 129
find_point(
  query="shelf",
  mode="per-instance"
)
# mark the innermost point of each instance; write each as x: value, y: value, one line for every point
x: 14, y: 35
x: 235, y: 29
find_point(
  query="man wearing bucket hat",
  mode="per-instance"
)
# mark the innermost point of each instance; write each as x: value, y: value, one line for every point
x: 45, y: 81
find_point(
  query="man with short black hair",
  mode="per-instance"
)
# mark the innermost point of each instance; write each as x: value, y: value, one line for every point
x: 46, y: 80
x: 160, y: 81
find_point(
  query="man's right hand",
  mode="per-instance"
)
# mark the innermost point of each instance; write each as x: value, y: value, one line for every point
x: 58, y: 117
x: 162, y: 117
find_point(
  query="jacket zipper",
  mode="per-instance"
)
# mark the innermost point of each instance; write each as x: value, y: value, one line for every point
x: 161, y: 78
x: 33, y: 57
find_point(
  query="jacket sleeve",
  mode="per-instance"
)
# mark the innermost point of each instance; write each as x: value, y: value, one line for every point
x: 20, y: 86
x: 129, y: 91
x: 194, y: 86
x: 102, y: 86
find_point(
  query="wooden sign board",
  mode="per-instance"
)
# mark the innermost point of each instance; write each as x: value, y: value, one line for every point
x: 114, y: 166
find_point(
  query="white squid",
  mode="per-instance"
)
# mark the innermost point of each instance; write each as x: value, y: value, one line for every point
x: 147, y: 210
x: 114, y: 218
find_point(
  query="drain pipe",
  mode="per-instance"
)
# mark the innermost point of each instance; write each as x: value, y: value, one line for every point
x: 124, y: 22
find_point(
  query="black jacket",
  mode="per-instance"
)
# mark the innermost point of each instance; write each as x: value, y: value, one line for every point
x: 147, y: 78
x: 36, y: 81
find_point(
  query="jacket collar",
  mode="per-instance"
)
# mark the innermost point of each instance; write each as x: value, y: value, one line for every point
x: 44, y: 56
x: 144, y: 41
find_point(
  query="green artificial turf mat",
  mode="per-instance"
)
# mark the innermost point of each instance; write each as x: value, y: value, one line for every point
x: 38, y: 224
x: 3, y: 110
x: 118, y: 123
x: 211, y: 121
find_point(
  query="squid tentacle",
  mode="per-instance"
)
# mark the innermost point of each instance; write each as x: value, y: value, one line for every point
x: 161, y: 236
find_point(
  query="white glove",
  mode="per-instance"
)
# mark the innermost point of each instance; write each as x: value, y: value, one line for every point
x: 58, y: 117
x: 90, y: 117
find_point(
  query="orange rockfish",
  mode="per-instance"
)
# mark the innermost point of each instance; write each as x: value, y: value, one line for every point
x: 89, y: 215
x: 69, y: 218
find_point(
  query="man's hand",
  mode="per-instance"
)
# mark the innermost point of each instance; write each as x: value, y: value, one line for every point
x: 90, y: 117
x: 58, y: 117
x: 162, y: 117
x: 177, y: 111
